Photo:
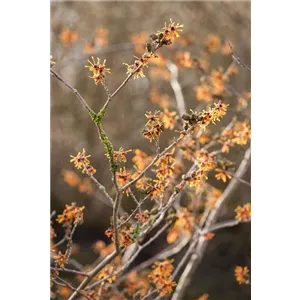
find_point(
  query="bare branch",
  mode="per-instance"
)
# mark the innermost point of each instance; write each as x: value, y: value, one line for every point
x: 176, y: 88
x: 74, y: 91
x: 212, y: 218
x: 237, y: 59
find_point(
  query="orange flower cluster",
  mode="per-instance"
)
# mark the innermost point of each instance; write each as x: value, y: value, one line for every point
x: 239, y: 135
x: 161, y: 99
x: 166, y: 166
x: 203, y: 297
x: 125, y: 235
x: 222, y: 174
x: 168, y: 119
x: 241, y: 275
x: 137, y: 68
x: 141, y: 159
x: 120, y: 155
x: 212, y: 43
x: 81, y: 161
x: 184, y: 59
x: 169, y: 33
x: 243, y: 213
x: 209, y: 236
x: 102, y: 249
x: 123, y: 178
x: 138, y: 39
x: 72, y: 213
x: 161, y: 276
x: 99, y: 70
x: 84, y: 185
x: 68, y: 36
x: 100, y: 40
x: 61, y: 259
x: 212, y: 196
x: 242, y: 133
x: 143, y: 216
x: 136, y: 284
x: 107, y: 271
x: 184, y: 225
x: 153, y: 127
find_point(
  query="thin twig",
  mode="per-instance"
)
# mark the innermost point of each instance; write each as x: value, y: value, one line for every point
x: 70, y: 271
x: 137, y: 252
x: 74, y: 91
x: 71, y: 287
x: 176, y: 88
x: 196, y: 258
x: 95, y: 271
x: 237, y: 59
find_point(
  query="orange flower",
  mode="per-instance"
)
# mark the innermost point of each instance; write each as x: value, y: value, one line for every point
x: 208, y: 236
x: 203, y: 92
x: 136, y: 283
x: 80, y: 160
x: 172, y: 235
x: 170, y: 32
x: 85, y: 186
x: 167, y: 287
x: 161, y: 99
x: 64, y: 291
x: 217, y: 81
x: 168, y: 118
x: 243, y: 213
x: 226, y: 48
x: 139, y: 159
x: 71, y: 178
x: 204, y: 137
x: 241, y: 275
x: 203, y: 297
x: 139, y: 39
x: 68, y: 37
x: 60, y: 259
x: 101, y: 37
x: 89, y: 48
x: 184, y: 59
x: 123, y: 178
x: 120, y: 155
x: 212, y: 197
x: 242, y: 133
x: 222, y: 175
x: 71, y: 213
x: 212, y: 43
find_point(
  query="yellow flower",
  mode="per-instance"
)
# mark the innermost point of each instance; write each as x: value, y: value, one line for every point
x: 241, y: 275
x: 213, y: 43
x: 222, y: 175
x: 68, y: 37
x: 99, y: 70
x: 52, y: 62
x: 243, y: 213
x: 80, y: 159
x: 168, y: 118
x: 171, y: 31
x: 120, y: 155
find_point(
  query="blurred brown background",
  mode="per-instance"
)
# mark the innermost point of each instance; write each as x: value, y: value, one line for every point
x: 72, y: 128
